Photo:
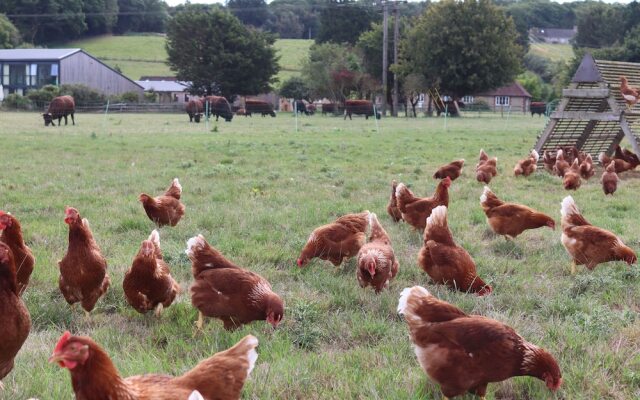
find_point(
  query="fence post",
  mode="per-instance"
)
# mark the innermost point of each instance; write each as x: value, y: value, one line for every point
x: 446, y: 115
x: 375, y: 117
x: 206, y: 115
x: 295, y: 112
x: 104, y: 122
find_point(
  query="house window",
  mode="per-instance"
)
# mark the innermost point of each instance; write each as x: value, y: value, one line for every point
x: 45, y: 75
x: 502, y: 100
x: 468, y: 100
x: 17, y: 74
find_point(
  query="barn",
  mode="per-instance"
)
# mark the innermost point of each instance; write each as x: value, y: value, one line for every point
x: 22, y: 70
x: 512, y: 97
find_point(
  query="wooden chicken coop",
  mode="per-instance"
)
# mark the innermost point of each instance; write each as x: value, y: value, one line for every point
x: 592, y: 114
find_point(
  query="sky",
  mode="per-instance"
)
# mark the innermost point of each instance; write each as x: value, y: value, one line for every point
x: 176, y: 2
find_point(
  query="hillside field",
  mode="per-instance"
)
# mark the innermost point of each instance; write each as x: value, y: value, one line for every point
x: 143, y: 55
x: 256, y: 189
x: 553, y: 52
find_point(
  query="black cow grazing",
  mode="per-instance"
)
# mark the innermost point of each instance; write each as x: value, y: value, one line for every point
x: 360, y: 107
x: 311, y: 108
x: 194, y: 108
x: 60, y: 107
x: 301, y: 107
x: 538, y: 107
x: 258, y: 107
x: 218, y: 106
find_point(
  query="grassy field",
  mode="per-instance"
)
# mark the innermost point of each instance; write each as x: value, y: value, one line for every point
x: 255, y: 189
x: 553, y: 52
x: 145, y: 54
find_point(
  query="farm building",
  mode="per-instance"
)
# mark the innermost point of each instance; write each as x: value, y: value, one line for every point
x: 553, y: 35
x: 168, y: 91
x: 22, y: 70
x: 512, y: 97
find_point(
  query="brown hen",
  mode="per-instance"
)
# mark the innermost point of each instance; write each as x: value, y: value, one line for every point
x: 95, y: 377
x: 415, y: 210
x: 167, y: 208
x: 377, y: 264
x: 610, y: 179
x: 446, y: 262
x: 588, y: 244
x: 336, y: 241
x: 83, y: 270
x: 392, y: 207
x: 464, y: 353
x: 527, y: 166
x: 510, y: 219
x: 15, y: 321
x: 225, y: 291
x: 12, y: 237
x: 451, y: 170
x: 148, y: 284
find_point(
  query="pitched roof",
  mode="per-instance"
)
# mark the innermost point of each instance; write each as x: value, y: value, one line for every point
x: 163, y: 86
x: 514, y: 90
x: 35, y: 54
x: 557, y: 33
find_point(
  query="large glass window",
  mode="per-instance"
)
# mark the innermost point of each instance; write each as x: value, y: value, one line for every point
x: 46, y: 74
x: 17, y: 74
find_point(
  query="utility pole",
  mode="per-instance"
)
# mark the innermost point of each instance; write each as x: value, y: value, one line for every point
x: 396, y: 38
x: 385, y: 58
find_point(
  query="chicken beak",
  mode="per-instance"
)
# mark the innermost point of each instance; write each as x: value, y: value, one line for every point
x: 57, y: 358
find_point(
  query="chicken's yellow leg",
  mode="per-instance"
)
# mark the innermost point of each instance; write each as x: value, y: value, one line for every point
x: 573, y: 268
x: 200, y: 322
x: 158, y: 310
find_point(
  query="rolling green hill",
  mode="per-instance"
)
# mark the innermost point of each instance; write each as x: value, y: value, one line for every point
x: 142, y: 55
x: 553, y: 52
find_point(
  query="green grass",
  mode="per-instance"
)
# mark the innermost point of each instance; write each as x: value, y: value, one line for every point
x: 255, y: 190
x: 134, y: 55
x: 553, y: 52
x: 146, y: 55
x: 292, y: 53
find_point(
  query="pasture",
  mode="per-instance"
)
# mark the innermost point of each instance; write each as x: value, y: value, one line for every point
x: 256, y: 189
x: 139, y: 55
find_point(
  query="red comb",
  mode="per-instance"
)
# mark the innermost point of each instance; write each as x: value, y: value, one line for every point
x: 63, y: 340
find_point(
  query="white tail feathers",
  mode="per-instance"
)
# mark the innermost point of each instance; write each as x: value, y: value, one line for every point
x: 400, y: 188
x: 252, y: 354
x: 485, y: 193
x: 406, y: 293
x: 560, y: 153
x: 155, y: 237
x: 177, y: 184
x: 193, y: 244
x: 535, y: 155
x: 195, y: 395
x: 438, y: 217
x: 568, y: 207
x: 373, y: 220
x: 601, y: 157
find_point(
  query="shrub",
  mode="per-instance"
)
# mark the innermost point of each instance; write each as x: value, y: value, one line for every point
x: 15, y: 101
x: 43, y: 95
x: 82, y: 94
x: 130, y: 97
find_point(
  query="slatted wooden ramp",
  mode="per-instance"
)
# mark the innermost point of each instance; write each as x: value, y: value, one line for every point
x: 592, y: 114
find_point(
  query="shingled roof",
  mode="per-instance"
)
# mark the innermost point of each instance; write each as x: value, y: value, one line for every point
x: 513, y: 90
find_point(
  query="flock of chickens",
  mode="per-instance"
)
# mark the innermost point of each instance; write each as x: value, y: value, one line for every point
x: 462, y: 353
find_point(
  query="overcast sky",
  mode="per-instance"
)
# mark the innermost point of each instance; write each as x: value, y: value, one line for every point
x: 176, y: 2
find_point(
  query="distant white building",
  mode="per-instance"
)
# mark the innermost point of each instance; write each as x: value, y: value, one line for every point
x: 553, y: 35
x: 168, y: 91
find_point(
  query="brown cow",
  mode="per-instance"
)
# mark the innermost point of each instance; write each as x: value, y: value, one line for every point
x: 360, y: 107
x: 258, y: 106
x: 194, y: 108
x: 218, y: 106
x: 59, y: 107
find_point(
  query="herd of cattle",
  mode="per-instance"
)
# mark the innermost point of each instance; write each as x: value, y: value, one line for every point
x: 220, y: 107
x: 64, y: 106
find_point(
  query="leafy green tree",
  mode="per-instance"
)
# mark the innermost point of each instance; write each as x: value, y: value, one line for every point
x: 285, y: 23
x: 101, y: 15
x: 250, y: 12
x: 222, y: 56
x: 295, y: 88
x: 412, y: 86
x: 463, y: 46
x: 9, y: 34
x: 141, y: 16
x: 600, y: 25
x: 330, y: 69
x: 45, y: 21
x: 306, y: 14
x: 342, y: 21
